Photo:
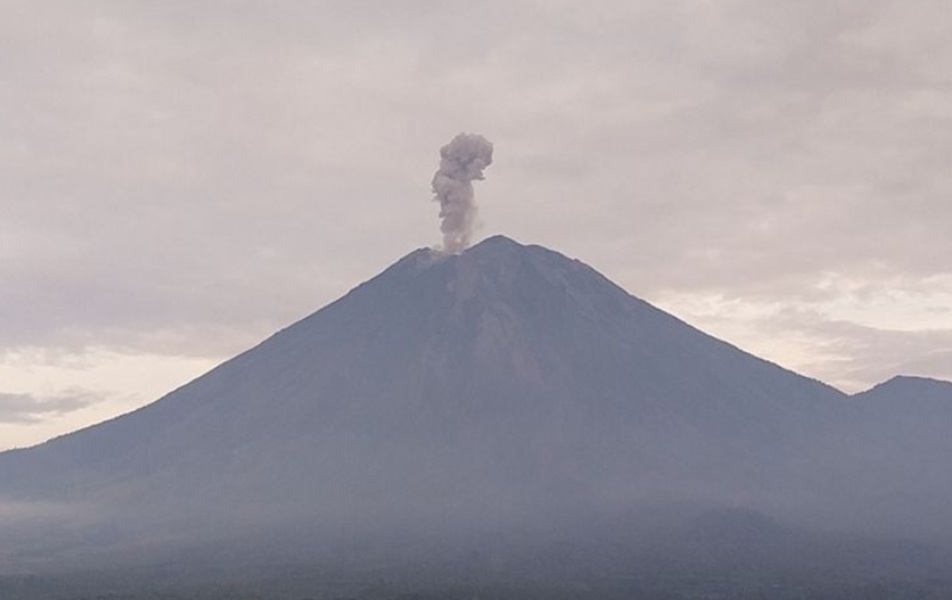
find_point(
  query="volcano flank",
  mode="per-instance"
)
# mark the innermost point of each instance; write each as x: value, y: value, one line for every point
x: 504, y: 388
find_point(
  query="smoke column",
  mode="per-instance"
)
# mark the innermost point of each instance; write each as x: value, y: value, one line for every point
x: 461, y: 161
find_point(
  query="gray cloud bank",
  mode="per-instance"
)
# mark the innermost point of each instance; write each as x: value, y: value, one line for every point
x: 29, y: 408
x: 184, y: 177
x: 855, y: 355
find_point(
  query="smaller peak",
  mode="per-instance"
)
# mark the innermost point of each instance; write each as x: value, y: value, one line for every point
x: 502, y: 249
x: 915, y: 380
x: 420, y: 258
x: 418, y: 255
x: 911, y: 382
x: 496, y: 241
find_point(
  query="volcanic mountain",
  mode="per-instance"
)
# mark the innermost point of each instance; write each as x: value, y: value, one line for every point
x: 507, y: 384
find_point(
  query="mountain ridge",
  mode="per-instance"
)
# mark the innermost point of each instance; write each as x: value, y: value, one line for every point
x: 478, y: 290
x: 505, y: 384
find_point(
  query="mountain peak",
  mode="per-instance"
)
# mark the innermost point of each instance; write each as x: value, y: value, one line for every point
x: 494, y: 248
x: 497, y: 241
x: 507, y: 373
x: 505, y: 384
x: 912, y: 383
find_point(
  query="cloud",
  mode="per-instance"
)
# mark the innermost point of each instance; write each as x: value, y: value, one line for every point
x: 173, y: 172
x: 850, y: 355
x: 857, y: 356
x: 29, y: 408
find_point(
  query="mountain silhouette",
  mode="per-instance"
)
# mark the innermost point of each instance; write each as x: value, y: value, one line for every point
x: 504, y: 385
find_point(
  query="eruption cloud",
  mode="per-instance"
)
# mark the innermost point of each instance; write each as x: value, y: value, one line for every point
x: 461, y: 162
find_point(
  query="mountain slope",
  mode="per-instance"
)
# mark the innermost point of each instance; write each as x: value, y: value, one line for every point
x: 504, y: 383
x: 901, y: 452
x: 526, y: 364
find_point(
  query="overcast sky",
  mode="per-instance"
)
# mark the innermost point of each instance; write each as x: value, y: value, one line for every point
x: 180, y: 178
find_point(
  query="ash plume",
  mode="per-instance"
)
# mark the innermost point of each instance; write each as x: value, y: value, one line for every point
x: 461, y: 162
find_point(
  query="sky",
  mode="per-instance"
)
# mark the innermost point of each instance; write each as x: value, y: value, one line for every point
x: 180, y: 179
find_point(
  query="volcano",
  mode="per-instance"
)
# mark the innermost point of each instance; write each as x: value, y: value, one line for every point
x: 507, y: 386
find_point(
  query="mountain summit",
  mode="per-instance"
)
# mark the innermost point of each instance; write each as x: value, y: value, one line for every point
x: 504, y: 384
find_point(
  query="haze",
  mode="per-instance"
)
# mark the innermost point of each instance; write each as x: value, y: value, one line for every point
x: 181, y: 179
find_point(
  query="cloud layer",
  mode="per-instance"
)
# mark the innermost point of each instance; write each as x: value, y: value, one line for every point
x: 28, y: 408
x: 185, y: 177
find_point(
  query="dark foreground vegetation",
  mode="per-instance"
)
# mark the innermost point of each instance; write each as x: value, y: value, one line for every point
x: 715, y: 555
x: 725, y: 555
x: 312, y: 585
x: 302, y: 582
